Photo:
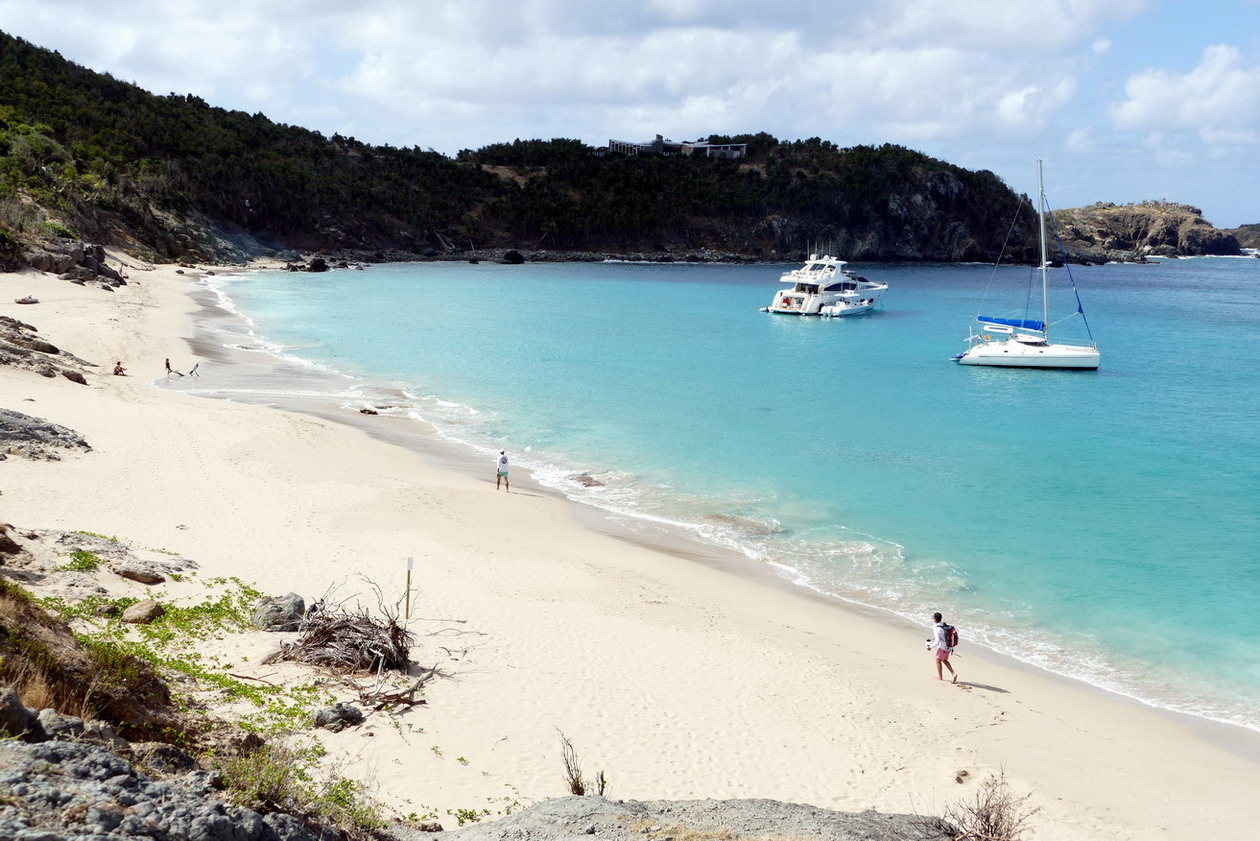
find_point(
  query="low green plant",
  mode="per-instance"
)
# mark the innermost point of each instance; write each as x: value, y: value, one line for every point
x: 168, y: 643
x: 113, y: 662
x: 417, y: 817
x: 9, y: 245
x: 15, y: 592
x: 83, y: 561
x: 284, y: 776
x: 464, y: 816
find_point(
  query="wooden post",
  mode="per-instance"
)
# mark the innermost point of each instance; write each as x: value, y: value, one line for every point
x: 409, y: 563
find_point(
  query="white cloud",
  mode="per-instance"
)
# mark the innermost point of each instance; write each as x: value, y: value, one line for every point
x: 1080, y: 141
x: 451, y: 72
x: 994, y: 25
x: 1219, y: 99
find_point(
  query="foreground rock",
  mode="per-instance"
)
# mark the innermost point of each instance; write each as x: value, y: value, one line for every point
x: 571, y: 818
x: 57, y: 791
x: 35, y: 438
x: 79, y: 262
x: 21, y: 346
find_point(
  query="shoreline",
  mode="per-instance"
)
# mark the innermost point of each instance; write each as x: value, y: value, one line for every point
x: 687, y: 538
x: 679, y: 678
x: 678, y: 541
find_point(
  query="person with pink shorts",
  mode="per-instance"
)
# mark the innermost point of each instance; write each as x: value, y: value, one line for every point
x: 940, y: 648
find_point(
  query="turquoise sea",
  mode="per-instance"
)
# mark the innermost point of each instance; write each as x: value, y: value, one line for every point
x: 1103, y: 525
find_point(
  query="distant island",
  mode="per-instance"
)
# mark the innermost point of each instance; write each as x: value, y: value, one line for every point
x: 87, y: 158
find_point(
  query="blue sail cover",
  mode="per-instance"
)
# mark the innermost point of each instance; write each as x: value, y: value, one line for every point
x: 1022, y: 323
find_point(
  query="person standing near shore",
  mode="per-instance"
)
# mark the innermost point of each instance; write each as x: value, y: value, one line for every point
x: 939, y: 646
x: 501, y: 472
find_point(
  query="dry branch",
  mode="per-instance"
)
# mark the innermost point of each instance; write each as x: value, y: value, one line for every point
x: 342, y: 640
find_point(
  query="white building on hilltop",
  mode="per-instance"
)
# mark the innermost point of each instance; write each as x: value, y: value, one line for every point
x: 662, y: 146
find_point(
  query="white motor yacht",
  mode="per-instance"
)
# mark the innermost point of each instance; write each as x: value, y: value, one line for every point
x: 823, y: 286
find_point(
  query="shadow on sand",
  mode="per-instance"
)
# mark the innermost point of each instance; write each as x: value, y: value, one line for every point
x: 966, y: 684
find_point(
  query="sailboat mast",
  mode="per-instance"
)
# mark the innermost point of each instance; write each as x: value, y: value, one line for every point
x: 1041, y: 232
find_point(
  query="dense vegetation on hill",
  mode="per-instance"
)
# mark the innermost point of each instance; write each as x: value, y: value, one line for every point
x: 85, y: 155
x: 82, y: 153
x: 104, y: 157
x: 886, y: 202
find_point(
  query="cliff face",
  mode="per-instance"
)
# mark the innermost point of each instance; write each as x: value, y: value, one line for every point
x: 922, y: 214
x: 894, y: 208
x: 1106, y: 231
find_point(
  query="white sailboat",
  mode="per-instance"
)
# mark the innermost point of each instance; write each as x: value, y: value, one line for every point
x: 1025, y: 342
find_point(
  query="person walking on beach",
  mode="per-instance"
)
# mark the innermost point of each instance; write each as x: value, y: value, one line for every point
x: 501, y: 472
x: 169, y: 369
x: 939, y: 646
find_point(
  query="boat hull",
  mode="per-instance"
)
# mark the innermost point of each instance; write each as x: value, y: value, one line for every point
x: 1019, y: 355
x: 845, y: 311
x: 824, y: 312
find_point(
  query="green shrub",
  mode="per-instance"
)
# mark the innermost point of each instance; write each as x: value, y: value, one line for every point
x: 280, y: 777
x: 113, y: 662
x: 83, y: 560
x: 9, y: 245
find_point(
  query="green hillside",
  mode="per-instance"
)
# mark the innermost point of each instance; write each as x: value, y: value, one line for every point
x: 85, y: 155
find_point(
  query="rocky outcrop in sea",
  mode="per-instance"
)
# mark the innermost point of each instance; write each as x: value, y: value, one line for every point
x: 1105, y: 232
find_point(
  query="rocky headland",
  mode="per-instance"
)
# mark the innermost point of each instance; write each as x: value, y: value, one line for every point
x: 1248, y: 236
x: 1105, y: 232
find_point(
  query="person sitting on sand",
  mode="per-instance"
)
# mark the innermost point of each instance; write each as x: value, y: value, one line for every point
x: 119, y: 370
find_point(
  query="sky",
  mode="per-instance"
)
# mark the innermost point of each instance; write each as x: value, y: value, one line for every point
x: 1124, y: 100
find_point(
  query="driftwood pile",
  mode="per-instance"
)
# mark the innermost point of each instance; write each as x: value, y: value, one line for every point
x: 347, y: 641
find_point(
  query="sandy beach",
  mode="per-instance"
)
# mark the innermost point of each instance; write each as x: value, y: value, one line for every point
x: 677, y: 671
